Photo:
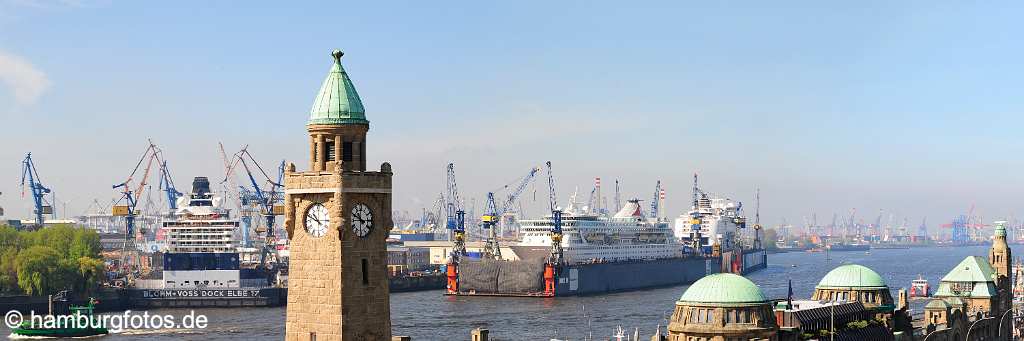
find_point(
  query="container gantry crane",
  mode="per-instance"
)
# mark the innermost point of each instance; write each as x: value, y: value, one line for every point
x: 39, y: 192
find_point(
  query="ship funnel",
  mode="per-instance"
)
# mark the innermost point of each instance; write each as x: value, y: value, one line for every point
x: 200, y: 185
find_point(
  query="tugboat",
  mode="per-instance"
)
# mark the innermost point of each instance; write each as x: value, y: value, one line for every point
x: 919, y: 288
x: 82, y: 324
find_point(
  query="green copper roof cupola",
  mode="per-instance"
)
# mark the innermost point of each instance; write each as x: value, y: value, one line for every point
x: 337, y: 102
x: 1000, y: 229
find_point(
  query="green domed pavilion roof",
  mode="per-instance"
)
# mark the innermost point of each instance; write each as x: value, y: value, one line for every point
x: 852, y: 276
x: 724, y: 288
x: 337, y: 102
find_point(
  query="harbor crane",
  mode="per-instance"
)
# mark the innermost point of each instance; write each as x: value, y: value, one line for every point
x: 757, y: 219
x: 851, y: 223
x: 922, y: 230
x: 131, y: 192
x: 556, y: 219
x: 618, y: 200
x: 962, y: 225
x: 591, y: 200
x: 39, y: 192
x: 167, y: 185
x: 456, y: 217
x: 267, y: 198
x: 489, y: 219
x: 493, y: 213
x: 695, y: 217
x: 437, y: 212
x: 659, y: 195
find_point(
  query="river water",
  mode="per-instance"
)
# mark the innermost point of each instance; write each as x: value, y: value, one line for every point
x: 431, y: 316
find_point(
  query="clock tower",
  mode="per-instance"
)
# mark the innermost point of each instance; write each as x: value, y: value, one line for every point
x: 337, y: 216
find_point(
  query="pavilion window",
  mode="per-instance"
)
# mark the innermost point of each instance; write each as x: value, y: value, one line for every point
x: 346, y: 151
x: 329, y: 146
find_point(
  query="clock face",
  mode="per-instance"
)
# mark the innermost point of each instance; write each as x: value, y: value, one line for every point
x: 362, y: 220
x: 317, y: 220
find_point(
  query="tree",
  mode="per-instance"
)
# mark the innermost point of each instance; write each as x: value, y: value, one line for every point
x: 50, y: 259
x: 36, y: 266
x: 770, y: 239
x: 86, y: 243
x: 91, y: 271
x: 8, y: 271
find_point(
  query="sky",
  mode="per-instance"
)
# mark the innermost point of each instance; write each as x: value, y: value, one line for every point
x: 911, y: 107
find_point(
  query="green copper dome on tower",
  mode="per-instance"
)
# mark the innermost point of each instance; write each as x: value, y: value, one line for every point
x: 337, y: 102
x: 1000, y: 229
x: 723, y: 288
x: 852, y: 276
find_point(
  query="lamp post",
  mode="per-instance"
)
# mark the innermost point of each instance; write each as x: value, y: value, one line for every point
x: 968, y: 336
x: 832, y: 315
x: 1001, y: 321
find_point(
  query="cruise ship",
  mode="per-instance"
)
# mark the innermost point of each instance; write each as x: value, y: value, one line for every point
x: 599, y: 253
x: 720, y: 222
x: 588, y: 237
x: 713, y: 226
x: 201, y: 266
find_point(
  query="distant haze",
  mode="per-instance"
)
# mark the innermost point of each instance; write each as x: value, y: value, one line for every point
x: 911, y: 107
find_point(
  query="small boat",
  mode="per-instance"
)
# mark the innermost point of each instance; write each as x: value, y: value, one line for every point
x: 919, y: 287
x: 83, y: 324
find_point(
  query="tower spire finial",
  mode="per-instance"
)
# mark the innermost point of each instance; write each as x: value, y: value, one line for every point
x: 337, y: 55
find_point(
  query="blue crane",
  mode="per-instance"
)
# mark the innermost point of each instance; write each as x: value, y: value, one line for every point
x: 696, y: 218
x: 493, y: 212
x: 456, y: 216
x: 263, y: 197
x: 490, y: 219
x: 39, y: 192
x: 131, y: 198
x: 167, y: 185
x: 556, y: 218
x: 656, y: 201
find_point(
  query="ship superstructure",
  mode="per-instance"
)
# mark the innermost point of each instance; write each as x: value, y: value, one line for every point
x: 589, y: 237
x: 202, y: 225
x: 710, y: 222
